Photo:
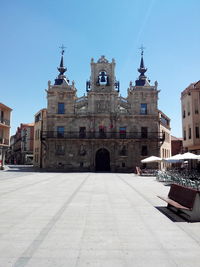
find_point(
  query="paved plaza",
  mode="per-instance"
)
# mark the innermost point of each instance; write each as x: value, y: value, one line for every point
x: 90, y: 219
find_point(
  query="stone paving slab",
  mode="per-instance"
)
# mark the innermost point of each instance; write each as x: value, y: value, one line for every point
x: 90, y: 219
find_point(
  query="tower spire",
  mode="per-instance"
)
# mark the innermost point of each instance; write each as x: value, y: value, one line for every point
x: 61, y: 77
x: 142, y: 80
x: 61, y: 68
x: 142, y: 69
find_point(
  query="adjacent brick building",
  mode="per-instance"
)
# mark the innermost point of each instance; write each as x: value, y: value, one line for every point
x: 176, y: 145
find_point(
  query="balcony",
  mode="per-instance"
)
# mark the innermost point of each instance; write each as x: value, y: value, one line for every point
x: 156, y: 136
x: 4, y: 121
x: 4, y: 141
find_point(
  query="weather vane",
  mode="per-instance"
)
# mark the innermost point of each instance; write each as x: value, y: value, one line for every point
x: 62, y: 49
x: 142, y: 49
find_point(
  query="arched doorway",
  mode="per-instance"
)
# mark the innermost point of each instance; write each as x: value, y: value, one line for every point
x: 102, y: 160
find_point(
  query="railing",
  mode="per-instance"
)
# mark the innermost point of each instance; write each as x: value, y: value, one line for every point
x: 157, y: 136
x: 83, y: 111
x: 4, y: 141
x: 4, y: 121
x: 124, y: 102
x: 123, y: 111
x: 80, y: 99
x: 123, y: 99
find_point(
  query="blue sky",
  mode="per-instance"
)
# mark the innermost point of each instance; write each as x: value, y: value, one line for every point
x: 33, y: 31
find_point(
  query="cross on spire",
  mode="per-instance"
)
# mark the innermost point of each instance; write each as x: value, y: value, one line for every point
x: 142, y: 80
x: 142, y: 49
x: 61, y: 68
x: 62, y: 49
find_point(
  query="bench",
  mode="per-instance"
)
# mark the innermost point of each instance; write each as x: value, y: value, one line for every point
x: 147, y: 172
x: 185, y: 201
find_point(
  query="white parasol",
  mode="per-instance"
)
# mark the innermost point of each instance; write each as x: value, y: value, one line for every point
x: 151, y: 159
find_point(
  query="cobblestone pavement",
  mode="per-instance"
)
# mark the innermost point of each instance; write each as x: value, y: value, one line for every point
x: 90, y: 219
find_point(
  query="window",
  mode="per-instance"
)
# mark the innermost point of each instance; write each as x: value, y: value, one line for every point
x: 188, y: 108
x: 143, y: 109
x: 189, y: 133
x: 144, y: 151
x: 61, y: 108
x: 196, y: 110
x: 197, y: 131
x: 184, y: 134
x: 123, y: 151
x: 1, y: 116
x: 82, y: 132
x: 123, y: 164
x: 164, y: 120
x: 60, y: 131
x: 144, y: 132
x: 122, y: 132
x: 38, y: 117
x: 183, y: 109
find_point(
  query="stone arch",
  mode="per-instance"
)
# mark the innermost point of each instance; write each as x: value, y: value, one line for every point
x: 102, y: 160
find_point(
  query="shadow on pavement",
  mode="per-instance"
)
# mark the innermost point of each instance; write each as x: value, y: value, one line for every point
x: 170, y: 214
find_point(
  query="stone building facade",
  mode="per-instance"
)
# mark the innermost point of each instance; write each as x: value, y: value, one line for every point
x: 21, y: 145
x: 190, y: 103
x: 165, y: 149
x: 39, y: 127
x: 101, y: 131
x: 5, y: 113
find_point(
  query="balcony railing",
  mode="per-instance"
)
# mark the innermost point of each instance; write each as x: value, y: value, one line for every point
x: 4, y: 141
x: 4, y: 121
x: 102, y: 135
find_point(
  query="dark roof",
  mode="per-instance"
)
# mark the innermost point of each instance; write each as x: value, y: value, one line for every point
x: 174, y: 138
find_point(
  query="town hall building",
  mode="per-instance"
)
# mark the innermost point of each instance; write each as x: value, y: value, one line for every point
x: 100, y: 131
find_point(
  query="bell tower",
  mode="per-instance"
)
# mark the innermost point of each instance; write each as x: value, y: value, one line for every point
x: 61, y: 97
x: 143, y: 97
x: 102, y: 87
